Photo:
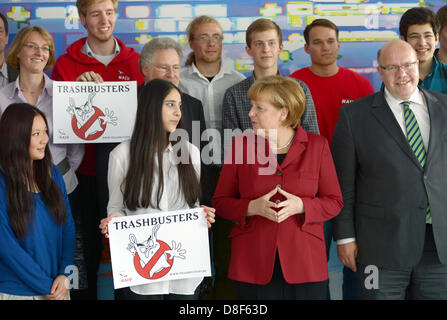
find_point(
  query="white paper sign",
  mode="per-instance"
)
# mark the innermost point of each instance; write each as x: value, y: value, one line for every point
x: 88, y: 112
x: 159, y: 247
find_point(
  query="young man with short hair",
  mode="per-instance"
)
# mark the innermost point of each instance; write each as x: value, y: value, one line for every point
x: 419, y: 28
x: 98, y: 57
x: 264, y: 44
x: 332, y: 87
x: 207, y: 75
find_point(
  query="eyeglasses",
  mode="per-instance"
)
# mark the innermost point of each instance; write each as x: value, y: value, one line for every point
x: 35, y: 47
x: 394, y: 68
x: 165, y: 68
x: 205, y: 38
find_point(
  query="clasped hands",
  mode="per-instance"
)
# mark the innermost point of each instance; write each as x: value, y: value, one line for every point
x: 264, y: 207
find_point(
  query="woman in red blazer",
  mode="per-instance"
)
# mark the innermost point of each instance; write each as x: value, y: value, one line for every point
x: 278, y: 185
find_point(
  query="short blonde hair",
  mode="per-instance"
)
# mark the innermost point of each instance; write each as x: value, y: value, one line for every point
x: 19, y: 41
x: 281, y: 92
x: 83, y: 5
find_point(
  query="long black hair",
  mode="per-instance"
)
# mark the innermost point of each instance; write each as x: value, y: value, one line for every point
x: 21, y: 173
x: 148, y: 142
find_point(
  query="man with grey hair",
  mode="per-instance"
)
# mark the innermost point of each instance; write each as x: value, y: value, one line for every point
x: 161, y: 58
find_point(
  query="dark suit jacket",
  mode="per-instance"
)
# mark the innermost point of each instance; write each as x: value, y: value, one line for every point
x: 192, y: 110
x: 385, y: 189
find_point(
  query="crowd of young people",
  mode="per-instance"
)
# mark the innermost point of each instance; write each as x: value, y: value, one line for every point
x: 342, y: 162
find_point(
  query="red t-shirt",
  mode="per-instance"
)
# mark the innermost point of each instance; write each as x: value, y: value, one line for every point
x: 330, y: 93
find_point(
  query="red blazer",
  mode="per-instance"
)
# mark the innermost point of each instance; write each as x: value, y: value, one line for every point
x: 308, y: 172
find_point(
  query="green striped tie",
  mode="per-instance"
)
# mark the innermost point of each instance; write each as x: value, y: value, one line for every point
x: 415, y: 140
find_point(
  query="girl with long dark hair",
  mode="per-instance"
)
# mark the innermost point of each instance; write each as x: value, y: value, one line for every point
x: 145, y: 176
x: 37, y: 233
x: 32, y: 52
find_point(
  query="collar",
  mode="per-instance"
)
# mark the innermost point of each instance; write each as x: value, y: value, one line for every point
x: 254, y: 78
x: 226, y: 67
x: 434, y: 65
x: 169, y: 148
x: 416, y: 97
x: 88, y: 51
x: 297, y: 147
x: 47, y: 88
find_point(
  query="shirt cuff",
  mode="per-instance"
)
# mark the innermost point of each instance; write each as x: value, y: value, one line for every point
x: 345, y: 241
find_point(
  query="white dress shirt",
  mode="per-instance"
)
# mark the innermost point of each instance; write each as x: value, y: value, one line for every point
x: 210, y: 93
x: 419, y: 107
x: 74, y: 153
x: 171, y: 199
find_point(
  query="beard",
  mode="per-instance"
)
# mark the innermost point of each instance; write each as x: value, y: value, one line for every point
x: 210, y: 58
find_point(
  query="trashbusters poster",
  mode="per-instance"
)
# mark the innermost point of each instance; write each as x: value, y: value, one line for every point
x: 88, y: 112
x: 159, y: 247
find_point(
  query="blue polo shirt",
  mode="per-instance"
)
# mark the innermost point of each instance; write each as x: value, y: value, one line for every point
x: 437, y: 78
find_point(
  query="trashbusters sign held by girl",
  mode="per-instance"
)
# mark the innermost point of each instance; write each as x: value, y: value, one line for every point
x: 159, y: 247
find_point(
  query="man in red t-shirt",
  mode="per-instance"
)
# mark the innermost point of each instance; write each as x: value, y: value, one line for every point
x: 331, y: 87
x: 98, y: 57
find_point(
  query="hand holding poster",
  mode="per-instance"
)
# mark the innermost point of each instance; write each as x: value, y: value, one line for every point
x: 159, y: 247
x: 88, y: 112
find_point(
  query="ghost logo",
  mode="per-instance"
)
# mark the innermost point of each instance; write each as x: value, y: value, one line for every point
x: 153, y: 258
x: 88, y: 121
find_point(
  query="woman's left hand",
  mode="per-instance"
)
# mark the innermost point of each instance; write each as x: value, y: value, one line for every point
x: 291, y: 206
x: 210, y: 215
x: 59, y: 289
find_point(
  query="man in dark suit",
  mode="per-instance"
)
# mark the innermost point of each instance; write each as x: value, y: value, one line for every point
x: 390, y: 152
x: 161, y: 59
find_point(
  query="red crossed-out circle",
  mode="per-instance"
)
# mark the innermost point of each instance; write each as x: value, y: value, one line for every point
x: 144, y: 270
x: 81, y: 131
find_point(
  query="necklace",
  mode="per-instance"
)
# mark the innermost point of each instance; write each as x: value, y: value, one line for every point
x: 286, y: 145
x: 31, y: 92
x: 38, y: 91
